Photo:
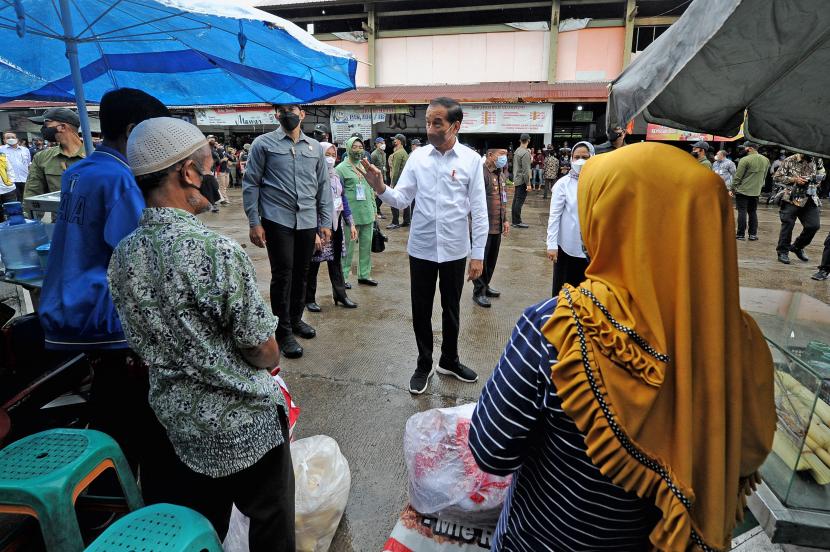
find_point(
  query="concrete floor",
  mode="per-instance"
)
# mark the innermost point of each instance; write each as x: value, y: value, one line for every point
x: 352, y: 382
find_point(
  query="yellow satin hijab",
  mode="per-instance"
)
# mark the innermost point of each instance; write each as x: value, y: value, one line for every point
x: 671, y: 383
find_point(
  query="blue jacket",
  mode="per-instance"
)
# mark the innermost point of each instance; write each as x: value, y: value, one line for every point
x: 100, y: 204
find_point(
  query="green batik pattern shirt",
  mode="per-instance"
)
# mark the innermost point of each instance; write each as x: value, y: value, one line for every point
x: 188, y: 300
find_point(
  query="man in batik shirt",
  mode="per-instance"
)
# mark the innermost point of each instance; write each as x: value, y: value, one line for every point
x: 800, y: 201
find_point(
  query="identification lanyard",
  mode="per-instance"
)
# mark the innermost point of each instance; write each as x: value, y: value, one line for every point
x: 360, y: 189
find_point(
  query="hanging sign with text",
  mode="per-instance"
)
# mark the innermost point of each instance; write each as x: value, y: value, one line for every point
x: 507, y: 118
x: 236, y: 116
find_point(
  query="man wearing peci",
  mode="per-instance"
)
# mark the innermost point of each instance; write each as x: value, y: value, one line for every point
x: 447, y: 183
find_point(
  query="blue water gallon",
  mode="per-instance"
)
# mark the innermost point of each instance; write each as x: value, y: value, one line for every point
x: 19, y: 240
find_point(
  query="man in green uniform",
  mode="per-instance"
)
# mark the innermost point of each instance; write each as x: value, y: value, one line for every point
x: 59, y: 125
x: 699, y: 150
x: 746, y: 187
x: 397, y: 161
x: 378, y: 159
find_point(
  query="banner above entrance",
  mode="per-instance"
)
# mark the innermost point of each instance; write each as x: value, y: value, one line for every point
x: 507, y: 118
x: 663, y: 133
x: 236, y: 116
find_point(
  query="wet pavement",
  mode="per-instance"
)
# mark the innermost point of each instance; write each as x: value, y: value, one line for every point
x: 352, y: 382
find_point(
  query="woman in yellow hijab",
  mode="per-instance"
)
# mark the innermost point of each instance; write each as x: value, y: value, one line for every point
x: 635, y: 409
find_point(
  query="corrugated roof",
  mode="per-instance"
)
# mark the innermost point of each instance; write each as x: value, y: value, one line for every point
x: 34, y: 104
x: 495, y: 92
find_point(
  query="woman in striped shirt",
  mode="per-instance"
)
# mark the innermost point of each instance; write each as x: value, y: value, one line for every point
x: 633, y: 411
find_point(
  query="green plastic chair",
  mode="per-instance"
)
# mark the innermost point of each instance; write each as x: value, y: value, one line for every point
x: 159, y: 528
x: 42, y: 475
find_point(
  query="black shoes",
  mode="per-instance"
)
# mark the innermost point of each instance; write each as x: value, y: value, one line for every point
x: 800, y: 254
x: 459, y: 372
x: 313, y: 307
x: 393, y: 226
x: 821, y: 275
x: 740, y: 238
x: 753, y: 238
x: 289, y: 347
x: 404, y: 225
x: 303, y: 330
x: 783, y: 258
x: 481, y: 301
x: 348, y: 285
x: 367, y: 281
x: 346, y: 302
x: 420, y: 380
x: 520, y: 225
x: 492, y: 292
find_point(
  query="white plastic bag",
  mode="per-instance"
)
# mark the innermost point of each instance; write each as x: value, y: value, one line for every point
x: 321, y: 489
x: 322, y: 481
x: 444, y: 479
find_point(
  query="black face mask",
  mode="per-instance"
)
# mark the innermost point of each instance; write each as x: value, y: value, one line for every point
x: 613, y: 135
x: 49, y: 133
x: 289, y: 120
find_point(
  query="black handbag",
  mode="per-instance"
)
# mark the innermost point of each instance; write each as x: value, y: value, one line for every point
x: 378, y: 239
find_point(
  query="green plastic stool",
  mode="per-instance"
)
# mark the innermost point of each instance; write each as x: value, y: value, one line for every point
x: 159, y: 528
x: 42, y: 475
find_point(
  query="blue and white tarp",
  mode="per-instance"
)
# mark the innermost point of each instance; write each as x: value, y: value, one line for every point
x: 184, y: 52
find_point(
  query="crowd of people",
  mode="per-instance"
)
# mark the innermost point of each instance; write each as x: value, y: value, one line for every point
x: 592, y: 397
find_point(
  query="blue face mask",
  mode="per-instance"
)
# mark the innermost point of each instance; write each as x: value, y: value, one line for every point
x: 501, y: 161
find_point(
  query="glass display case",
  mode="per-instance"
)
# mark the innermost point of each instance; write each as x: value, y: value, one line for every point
x: 797, y: 471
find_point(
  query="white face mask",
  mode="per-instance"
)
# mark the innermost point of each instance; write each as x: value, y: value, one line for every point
x: 576, y: 165
x: 11, y: 141
x: 330, y: 160
x: 382, y: 147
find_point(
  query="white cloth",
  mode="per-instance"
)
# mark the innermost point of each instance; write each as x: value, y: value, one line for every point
x: 447, y: 190
x: 19, y: 158
x: 563, y: 221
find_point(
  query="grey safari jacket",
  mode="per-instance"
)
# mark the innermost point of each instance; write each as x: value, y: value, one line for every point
x: 287, y: 183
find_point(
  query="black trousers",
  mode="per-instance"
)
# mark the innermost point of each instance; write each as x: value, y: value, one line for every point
x: 289, y: 252
x: 20, y: 186
x: 335, y: 267
x: 264, y: 492
x: 491, y: 257
x: 119, y: 406
x: 450, y: 278
x: 519, y: 196
x: 747, y: 205
x: 407, y: 215
x: 825, y: 255
x: 808, y: 215
x: 568, y: 270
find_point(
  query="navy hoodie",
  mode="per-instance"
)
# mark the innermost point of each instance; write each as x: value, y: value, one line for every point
x: 100, y: 205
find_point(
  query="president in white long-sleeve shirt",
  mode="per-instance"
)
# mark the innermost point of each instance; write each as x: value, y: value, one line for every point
x: 446, y: 181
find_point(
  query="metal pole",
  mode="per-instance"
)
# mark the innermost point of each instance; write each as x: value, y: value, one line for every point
x: 75, y: 68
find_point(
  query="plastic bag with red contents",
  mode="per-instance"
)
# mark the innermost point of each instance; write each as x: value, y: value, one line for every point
x: 444, y: 479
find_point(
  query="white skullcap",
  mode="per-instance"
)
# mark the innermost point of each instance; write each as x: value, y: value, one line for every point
x: 159, y: 143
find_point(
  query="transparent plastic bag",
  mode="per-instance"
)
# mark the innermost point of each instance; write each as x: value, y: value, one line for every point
x: 321, y: 489
x: 322, y: 481
x: 444, y: 479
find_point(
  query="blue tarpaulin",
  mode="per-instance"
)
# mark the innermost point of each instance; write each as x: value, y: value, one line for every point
x: 184, y: 52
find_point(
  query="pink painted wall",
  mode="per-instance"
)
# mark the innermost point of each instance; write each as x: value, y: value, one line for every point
x: 463, y: 59
x: 590, y: 54
x: 584, y: 55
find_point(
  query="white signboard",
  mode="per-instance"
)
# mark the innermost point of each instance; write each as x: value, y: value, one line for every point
x: 345, y: 121
x: 236, y: 116
x: 507, y: 118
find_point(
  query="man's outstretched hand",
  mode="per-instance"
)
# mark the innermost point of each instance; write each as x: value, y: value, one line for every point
x: 373, y: 176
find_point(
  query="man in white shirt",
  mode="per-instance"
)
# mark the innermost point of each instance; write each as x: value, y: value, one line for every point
x: 446, y: 181
x: 18, y: 158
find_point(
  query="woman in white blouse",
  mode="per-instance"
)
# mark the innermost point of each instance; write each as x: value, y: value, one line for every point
x: 564, y: 237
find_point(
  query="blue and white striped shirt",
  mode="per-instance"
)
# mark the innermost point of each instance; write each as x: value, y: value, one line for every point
x: 558, y: 500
